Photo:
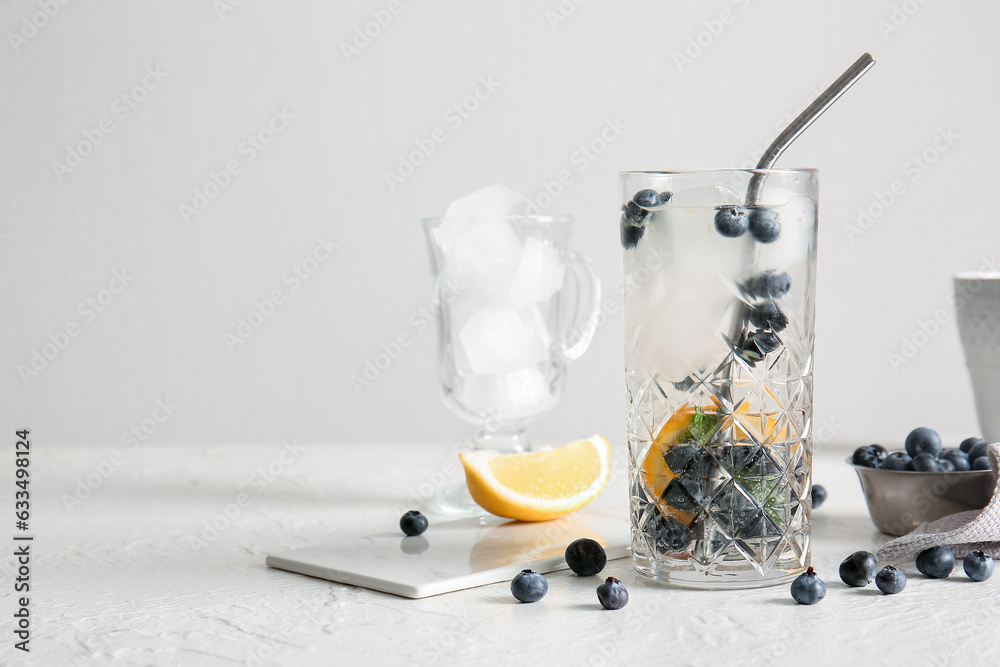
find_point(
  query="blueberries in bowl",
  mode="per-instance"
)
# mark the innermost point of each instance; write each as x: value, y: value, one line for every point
x: 969, y: 443
x: 982, y: 463
x: 926, y: 462
x: 869, y: 456
x: 898, y: 461
x: 958, y: 458
x: 921, y: 440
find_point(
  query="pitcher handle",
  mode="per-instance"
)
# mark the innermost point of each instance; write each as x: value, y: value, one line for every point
x: 576, y: 339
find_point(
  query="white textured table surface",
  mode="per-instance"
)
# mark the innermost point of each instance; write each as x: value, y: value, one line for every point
x: 133, y: 576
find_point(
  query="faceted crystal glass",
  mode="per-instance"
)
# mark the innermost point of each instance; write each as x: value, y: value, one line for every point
x: 719, y: 290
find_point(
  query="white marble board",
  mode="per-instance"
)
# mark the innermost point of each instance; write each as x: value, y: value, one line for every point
x: 455, y: 554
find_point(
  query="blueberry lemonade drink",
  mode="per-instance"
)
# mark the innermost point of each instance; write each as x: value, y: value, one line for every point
x: 719, y: 272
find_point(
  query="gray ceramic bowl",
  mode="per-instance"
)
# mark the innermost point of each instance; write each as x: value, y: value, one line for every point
x: 899, y: 500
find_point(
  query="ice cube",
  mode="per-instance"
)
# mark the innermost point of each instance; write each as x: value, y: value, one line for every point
x: 494, y: 201
x: 504, y: 338
x: 708, y: 196
x: 482, y: 264
x: 539, y: 275
x: 527, y: 387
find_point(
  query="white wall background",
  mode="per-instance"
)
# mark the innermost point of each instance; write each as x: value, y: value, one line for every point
x: 162, y: 336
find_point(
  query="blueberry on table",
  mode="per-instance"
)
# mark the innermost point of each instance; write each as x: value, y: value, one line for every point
x: 764, y: 225
x: 922, y: 440
x: 770, y: 284
x: 413, y: 523
x: 586, y: 557
x: 818, y: 495
x: 767, y: 315
x: 890, y: 580
x: 858, y: 569
x: 612, y: 594
x: 926, y: 462
x: 936, y: 562
x: 982, y: 463
x: 529, y: 586
x: 978, y: 450
x: 866, y: 456
x: 898, y: 461
x: 958, y: 458
x: 808, y: 588
x: 731, y: 221
x: 646, y: 198
x: 978, y: 565
x: 969, y: 443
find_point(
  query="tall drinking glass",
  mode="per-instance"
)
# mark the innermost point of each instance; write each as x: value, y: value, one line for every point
x: 719, y: 282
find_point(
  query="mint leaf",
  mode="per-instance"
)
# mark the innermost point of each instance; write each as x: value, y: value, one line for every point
x: 703, y: 425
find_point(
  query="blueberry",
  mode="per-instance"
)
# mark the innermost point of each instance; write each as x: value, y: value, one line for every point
x: 880, y: 453
x: 808, y: 588
x: 978, y: 565
x: 898, y: 461
x: 685, y: 494
x: 529, y: 586
x: 767, y: 315
x: 688, y: 461
x: 770, y: 284
x: 944, y: 465
x: 731, y: 221
x: 646, y: 198
x: 866, y: 456
x: 586, y: 557
x: 670, y: 535
x: 632, y: 227
x: 969, y: 443
x: 978, y: 450
x: 664, y: 197
x: 890, y: 580
x: 413, y: 523
x: 982, y: 463
x: 765, y: 341
x: 735, y: 508
x: 764, y: 224
x: 612, y: 594
x: 926, y: 462
x: 858, y: 569
x: 958, y: 458
x: 936, y: 562
x: 922, y: 440
x: 818, y: 495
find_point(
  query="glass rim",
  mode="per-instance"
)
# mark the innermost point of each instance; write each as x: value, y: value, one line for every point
x: 539, y: 218
x: 724, y: 170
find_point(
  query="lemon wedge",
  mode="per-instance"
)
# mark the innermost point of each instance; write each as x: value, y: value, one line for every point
x: 538, y: 486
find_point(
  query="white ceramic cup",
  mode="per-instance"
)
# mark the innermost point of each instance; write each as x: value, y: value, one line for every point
x: 977, y: 304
